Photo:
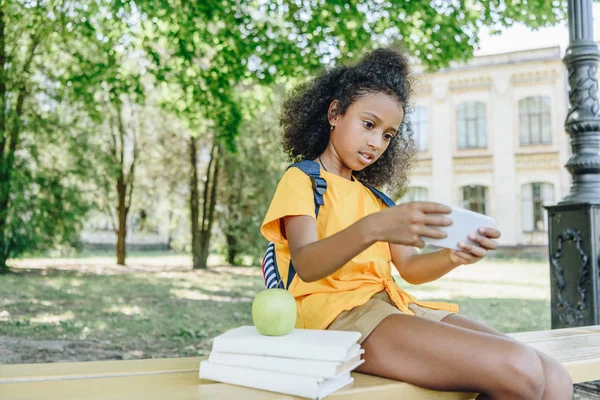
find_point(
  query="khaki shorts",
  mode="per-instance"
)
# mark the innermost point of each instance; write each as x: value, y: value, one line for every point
x: 366, y: 317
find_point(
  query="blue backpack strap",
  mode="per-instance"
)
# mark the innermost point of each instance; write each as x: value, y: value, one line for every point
x: 386, y: 200
x: 319, y: 185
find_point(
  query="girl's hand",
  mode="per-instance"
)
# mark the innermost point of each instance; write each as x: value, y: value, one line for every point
x: 470, y: 253
x: 406, y: 223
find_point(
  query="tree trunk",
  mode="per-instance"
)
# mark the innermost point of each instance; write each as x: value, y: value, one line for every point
x: 2, y: 82
x: 9, y: 136
x: 201, y: 230
x: 124, y: 184
x: 122, y: 218
x: 194, y: 204
x: 170, y: 226
x: 236, y: 179
x: 231, y: 248
x: 4, y: 183
x: 208, y: 216
x: 3, y: 267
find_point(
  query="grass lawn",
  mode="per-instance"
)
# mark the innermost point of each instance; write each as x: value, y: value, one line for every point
x: 91, y: 309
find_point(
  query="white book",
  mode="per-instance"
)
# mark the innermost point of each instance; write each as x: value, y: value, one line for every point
x: 295, y: 385
x: 315, y: 368
x: 310, y: 344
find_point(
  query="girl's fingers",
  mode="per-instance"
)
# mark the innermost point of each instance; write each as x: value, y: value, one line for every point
x: 489, y: 232
x: 432, y: 208
x: 436, y: 220
x: 473, y: 250
x: 432, y: 233
x: 464, y: 258
x: 484, y: 242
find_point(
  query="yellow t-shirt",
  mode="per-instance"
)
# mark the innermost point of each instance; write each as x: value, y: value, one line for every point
x: 345, y: 202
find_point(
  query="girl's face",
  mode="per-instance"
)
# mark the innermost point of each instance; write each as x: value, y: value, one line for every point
x: 363, y: 133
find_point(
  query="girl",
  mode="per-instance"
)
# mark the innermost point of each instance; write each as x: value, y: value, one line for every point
x: 352, y: 121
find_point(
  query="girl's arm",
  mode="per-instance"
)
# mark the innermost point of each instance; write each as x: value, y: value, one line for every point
x: 417, y: 268
x: 315, y: 259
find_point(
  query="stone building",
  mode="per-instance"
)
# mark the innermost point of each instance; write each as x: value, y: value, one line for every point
x: 490, y: 137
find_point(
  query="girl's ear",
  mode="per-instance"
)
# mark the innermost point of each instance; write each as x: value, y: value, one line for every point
x: 333, y: 112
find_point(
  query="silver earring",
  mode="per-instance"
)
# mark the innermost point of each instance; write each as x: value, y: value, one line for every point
x: 332, y: 126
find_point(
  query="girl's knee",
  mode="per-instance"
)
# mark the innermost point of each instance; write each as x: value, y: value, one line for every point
x: 558, y: 382
x: 522, y: 374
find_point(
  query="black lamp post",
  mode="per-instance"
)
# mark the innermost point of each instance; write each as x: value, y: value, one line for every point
x: 574, y: 223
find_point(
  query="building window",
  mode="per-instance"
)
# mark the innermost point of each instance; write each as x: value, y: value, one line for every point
x: 414, y: 194
x: 534, y: 197
x: 471, y: 126
x: 419, y: 122
x: 534, y: 121
x: 475, y: 198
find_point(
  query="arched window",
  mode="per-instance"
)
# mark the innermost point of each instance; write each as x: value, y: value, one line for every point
x: 534, y: 196
x: 414, y: 193
x: 475, y: 198
x: 419, y: 121
x: 534, y: 121
x: 471, y: 128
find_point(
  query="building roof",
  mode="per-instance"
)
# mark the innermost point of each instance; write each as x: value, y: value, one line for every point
x: 494, y: 60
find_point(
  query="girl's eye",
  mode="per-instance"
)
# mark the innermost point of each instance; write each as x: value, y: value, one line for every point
x: 368, y: 124
x: 388, y: 137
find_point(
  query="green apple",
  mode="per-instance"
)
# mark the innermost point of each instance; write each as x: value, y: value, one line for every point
x: 274, y: 312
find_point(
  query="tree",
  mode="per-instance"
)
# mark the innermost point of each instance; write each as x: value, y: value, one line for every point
x: 250, y: 176
x: 200, y: 53
x: 163, y: 167
x: 43, y: 195
x: 105, y: 75
x: 201, y: 86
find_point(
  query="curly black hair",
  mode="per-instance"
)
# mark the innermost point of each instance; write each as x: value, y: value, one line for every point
x: 306, y: 126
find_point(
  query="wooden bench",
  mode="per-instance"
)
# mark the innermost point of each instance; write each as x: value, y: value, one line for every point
x: 177, y: 378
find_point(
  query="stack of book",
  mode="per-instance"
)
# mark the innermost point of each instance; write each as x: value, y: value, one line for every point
x: 305, y: 363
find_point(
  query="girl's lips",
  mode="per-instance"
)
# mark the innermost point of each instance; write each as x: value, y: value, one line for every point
x: 365, y: 158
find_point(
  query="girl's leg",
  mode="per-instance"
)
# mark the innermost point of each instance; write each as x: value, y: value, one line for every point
x: 442, y: 356
x: 558, y: 382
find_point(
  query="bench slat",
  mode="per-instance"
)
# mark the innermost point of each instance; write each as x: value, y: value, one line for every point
x: 186, y: 386
x: 93, y: 369
x: 577, y: 348
x: 539, y: 336
x: 179, y: 386
x: 571, y: 349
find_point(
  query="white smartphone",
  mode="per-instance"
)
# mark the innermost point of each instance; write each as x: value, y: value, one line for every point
x: 464, y: 222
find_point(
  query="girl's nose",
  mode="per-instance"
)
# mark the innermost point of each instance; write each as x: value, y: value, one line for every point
x: 374, y: 141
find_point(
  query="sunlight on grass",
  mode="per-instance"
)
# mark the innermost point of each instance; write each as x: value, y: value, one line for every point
x: 53, y: 319
x: 102, y: 263
x: 488, y: 279
x: 194, y: 295
x: 480, y: 293
x: 76, y: 282
x: 100, y: 325
x: 43, y: 302
x: 126, y: 310
x: 53, y: 284
x: 511, y: 296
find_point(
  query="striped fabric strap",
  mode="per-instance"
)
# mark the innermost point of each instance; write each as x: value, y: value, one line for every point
x: 269, y: 268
